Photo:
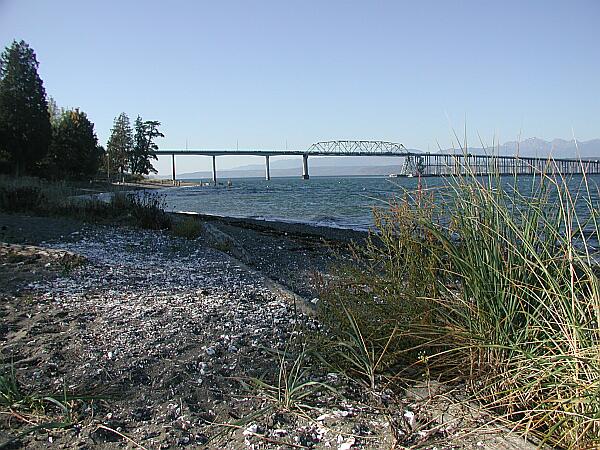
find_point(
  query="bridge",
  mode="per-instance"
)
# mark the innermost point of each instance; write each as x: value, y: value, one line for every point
x: 415, y: 162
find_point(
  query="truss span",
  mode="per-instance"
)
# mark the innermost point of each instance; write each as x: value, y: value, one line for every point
x: 359, y: 148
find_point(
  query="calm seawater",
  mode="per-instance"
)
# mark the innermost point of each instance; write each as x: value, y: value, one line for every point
x: 343, y: 202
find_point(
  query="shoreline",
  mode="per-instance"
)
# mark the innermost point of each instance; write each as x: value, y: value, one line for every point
x: 275, y: 224
x: 336, y: 232
x: 282, y: 227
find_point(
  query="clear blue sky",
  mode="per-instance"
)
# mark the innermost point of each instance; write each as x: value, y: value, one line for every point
x: 263, y: 72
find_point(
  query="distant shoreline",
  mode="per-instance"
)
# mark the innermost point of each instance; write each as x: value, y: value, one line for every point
x: 158, y: 183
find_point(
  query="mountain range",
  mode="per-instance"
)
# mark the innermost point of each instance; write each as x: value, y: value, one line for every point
x: 376, y: 165
x: 558, y: 148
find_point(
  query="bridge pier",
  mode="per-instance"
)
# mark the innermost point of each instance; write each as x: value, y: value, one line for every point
x: 267, y: 170
x: 173, y: 166
x: 214, y: 172
x: 305, y: 175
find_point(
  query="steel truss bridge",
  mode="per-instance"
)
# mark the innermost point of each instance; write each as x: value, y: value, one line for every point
x: 415, y: 163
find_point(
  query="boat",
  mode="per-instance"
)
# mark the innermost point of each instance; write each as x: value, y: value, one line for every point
x: 398, y: 175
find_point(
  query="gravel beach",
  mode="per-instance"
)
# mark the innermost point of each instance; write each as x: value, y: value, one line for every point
x: 167, y: 338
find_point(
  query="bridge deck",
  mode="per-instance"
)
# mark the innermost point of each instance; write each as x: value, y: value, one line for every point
x: 436, y: 164
x: 440, y: 156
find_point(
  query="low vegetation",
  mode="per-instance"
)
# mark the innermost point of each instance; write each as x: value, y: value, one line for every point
x: 38, y: 410
x: 495, y: 286
x: 31, y: 195
x: 147, y: 210
x: 188, y: 228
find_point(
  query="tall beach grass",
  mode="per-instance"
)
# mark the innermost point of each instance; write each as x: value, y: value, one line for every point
x: 494, y: 285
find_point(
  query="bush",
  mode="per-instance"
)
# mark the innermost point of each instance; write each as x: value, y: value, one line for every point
x: 372, y: 304
x: 23, y: 198
x: 147, y: 210
x: 28, y: 194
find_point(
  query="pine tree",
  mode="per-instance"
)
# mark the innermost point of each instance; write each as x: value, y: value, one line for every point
x: 74, y: 151
x: 25, y: 129
x: 144, y: 146
x: 119, y: 145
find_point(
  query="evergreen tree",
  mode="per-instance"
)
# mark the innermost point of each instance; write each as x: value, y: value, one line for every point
x: 25, y: 129
x: 54, y: 111
x: 119, y: 145
x: 144, y: 146
x: 74, y: 151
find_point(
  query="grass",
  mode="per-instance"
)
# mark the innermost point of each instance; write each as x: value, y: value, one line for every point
x: 494, y: 284
x: 26, y: 194
x: 224, y: 246
x: 188, y: 228
x: 288, y: 389
x: 371, y: 305
x: 38, y: 411
x: 355, y: 355
x: 32, y: 195
x: 292, y: 385
x: 524, y: 321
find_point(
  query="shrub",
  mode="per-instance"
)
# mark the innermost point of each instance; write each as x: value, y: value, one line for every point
x: 19, y: 199
x: 27, y: 194
x: 372, y: 304
x: 147, y: 210
x: 188, y: 228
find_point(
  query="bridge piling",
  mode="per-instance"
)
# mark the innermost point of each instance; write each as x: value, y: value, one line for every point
x: 305, y: 175
x: 267, y: 169
x: 214, y: 169
x: 173, y: 166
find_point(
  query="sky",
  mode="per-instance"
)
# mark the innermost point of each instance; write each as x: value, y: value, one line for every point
x: 271, y: 74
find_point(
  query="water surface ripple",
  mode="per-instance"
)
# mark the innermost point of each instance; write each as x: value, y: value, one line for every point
x: 343, y: 202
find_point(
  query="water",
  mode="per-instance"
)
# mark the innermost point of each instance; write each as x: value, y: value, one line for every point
x: 342, y: 202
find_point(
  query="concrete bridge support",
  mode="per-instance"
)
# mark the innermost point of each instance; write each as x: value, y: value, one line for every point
x: 173, y: 166
x: 214, y: 170
x: 267, y: 169
x: 305, y: 175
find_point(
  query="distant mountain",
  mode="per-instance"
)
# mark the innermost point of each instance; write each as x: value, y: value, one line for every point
x: 558, y: 148
x: 375, y: 165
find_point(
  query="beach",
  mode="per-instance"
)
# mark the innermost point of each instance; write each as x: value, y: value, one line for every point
x: 168, y: 337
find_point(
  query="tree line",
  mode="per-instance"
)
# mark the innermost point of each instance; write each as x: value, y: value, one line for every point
x: 39, y: 138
